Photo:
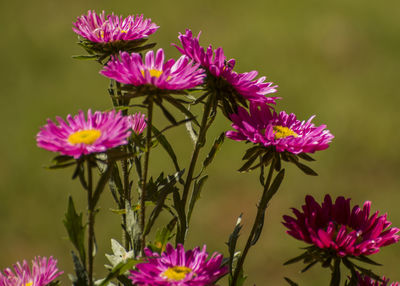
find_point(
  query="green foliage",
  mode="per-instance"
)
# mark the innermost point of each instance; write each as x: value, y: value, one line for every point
x: 76, y: 230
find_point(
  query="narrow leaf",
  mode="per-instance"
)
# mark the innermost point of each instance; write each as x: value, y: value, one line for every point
x: 233, y: 238
x: 102, y: 183
x: 81, y: 278
x: 290, y: 282
x: 335, y: 278
x: 168, y: 148
x: 119, y: 270
x: 214, y: 149
x: 75, y: 229
x: 198, y: 185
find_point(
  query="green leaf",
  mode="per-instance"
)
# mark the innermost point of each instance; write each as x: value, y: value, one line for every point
x: 164, y: 236
x: 81, y: 278
x: 246, y: 166
x: 181, y: 107
x: 306, y: 170
x: 198, y: 185
x: 75, y: 229
x: 61, y: 161
x: 240, y: 280
x: 290, y: 282
x: 297, y: 258
x: 119, y: 270
x: 168, y: 148
x: 85, y: 57
x: 306, y: 157
x: 167, y: 114
x: 365, y: 259
x: 214, y: 149
x: 233, y: 238
x: 165, y: 187
x: 102, y: 183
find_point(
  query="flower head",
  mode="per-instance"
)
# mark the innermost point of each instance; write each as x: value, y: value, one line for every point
x: 338, y: 228
x: 177, y: 267
x: 79, y: 136
x: 43, y: 272
x: 214, y: 61
x: 111, y: 28
x: 364, y: 280
x: 283, y: 131
x: 138, y: 122
x: 171, y: 75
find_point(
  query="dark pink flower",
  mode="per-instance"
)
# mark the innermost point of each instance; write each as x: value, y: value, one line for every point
x: 43, y: 272
x: 138, y: 122
x: 171, y: 75
x: 215, y: 62
x: 177, y: 267
x: 338, y: 227
x: 111, y: 28
x: 79, y: 136
x: 368, y: 281
x: 264, y: 126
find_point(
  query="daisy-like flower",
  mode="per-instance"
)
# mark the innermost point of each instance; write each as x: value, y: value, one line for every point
x: 43, y: 272
x: 153, y: 72
x: 215, y: 62
x: 79, y: 136
x: 111, y: 28
x: 368, y: 281
x: 338, y: 228
x: 177, y: 267
x: 138, y: 122
x: 283, y: 131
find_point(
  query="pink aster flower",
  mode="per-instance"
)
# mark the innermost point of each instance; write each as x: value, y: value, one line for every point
x: 111, y: 28
x: 337, y: 227
x: 171, y: 75
x: 264, y: 126
x: 42, y: 273
x: 215, y: 62
x: 368, y: 281
x: 175, y: 267
x: 79, y: 136
x: 138, y: 122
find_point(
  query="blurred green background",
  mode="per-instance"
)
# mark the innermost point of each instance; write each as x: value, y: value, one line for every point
x: 339, y: 60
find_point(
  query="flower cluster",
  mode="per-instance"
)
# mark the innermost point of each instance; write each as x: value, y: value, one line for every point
x: 111, y: 28
x: 177, y: 267
x: 338, y: 227
x: 43, y: 272
x: 78, y: 136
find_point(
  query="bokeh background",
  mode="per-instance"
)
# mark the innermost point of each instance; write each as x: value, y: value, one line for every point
x: 339, y: 60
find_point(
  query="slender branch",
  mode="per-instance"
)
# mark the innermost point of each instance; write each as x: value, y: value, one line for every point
x: 145, y: 172
x: 260, y: 214
x: 199, y: 144
x: 90, y: 222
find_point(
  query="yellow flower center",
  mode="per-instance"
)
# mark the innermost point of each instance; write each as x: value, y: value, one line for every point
x: 28, y: 284
x: 124, y: 31
x: 176, y: 273
x: 283, y: 132
x: 153, y: 73
x: 102, y: 34
x: 87, y: 137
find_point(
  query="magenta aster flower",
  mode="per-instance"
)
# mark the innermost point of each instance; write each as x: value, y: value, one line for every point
x: 264, y: 126
x: 368, y: 281
x: 138, y: 122
x: 337, y: 227
x: 78, y: 136
x: 214, y: 61
x: 171, y: 75
x: 175, y: 267
x: 42, y: 273
x: 111, y: 28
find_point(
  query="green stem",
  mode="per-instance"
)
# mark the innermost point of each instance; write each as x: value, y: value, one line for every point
x: 142, y: 216
x: 260, y: 214
x: 125, y: 173
x: 91, y: 210
x: 199, y: 144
